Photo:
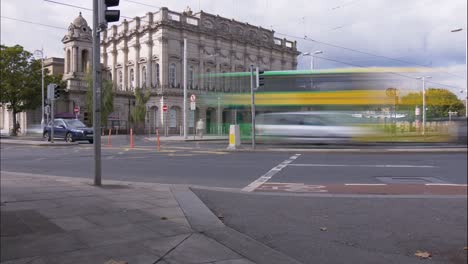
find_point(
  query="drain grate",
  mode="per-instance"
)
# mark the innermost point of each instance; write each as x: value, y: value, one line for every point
x: 409, y: 180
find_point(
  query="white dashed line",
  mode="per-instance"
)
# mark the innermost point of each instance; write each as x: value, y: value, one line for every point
x: 445, y: 184
x: 365, y: 184
x: 267, y: 176
x: 363, y: 166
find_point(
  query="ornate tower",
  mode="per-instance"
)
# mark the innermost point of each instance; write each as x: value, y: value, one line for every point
x: 78, y: 61
x: 78, y: 50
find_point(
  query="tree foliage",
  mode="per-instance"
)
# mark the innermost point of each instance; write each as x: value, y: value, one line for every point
x: 438, y: 103
x: 20, y: 80
x: 138, y: 113
x: 107, y: 99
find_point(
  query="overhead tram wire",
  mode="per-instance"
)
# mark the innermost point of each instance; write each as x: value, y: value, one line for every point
x: 362, y: 52
x: 287, y: 35
x: 83, y: 8
x: 34, y: 23
x: 296, y: 37
x: 395, y: 73
x: 139, y: 3
x: 213, y: 57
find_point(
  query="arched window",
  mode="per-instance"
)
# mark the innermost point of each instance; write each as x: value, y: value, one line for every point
x: 120, y: 79
x: 84, y: 60
x: 143, y: 76
x: 132, y: 79
x: 172, y: 75
x: 190, y: 77
x: 68, y: 61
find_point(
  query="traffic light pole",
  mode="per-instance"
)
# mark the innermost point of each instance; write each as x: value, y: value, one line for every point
x: 96, y: 94
x: 52, y: 125
x: 252, y: 95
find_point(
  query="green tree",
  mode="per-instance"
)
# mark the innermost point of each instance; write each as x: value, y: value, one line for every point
x: 438, y: 103
x: 20, y: 81
x: 138, y: 113
x: 107, y: 99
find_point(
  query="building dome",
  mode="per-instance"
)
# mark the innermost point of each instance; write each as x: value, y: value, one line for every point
x: 80, y: 21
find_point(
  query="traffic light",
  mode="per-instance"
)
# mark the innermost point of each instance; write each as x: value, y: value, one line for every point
x: 260, y: 78
x: 107, y: 16
x: 85, y: 117
x: 57, y: 92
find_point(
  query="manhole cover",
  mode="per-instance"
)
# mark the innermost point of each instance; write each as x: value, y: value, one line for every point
x: 409, y: 180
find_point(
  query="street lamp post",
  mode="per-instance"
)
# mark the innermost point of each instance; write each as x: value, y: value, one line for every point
x: 41, y: 52
x: 466, y: 69
x: 311, y: 54
x: 423, y: 78
x: 312, y: 66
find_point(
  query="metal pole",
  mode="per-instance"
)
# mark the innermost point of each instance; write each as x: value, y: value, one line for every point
x: 252, y: 95
x: 185, y: 88
x: 424, y: 105
x: 219, y: 116
x: 52, y: 125
x: 466, y: 72
x: 96, y: 95
x: 311, y: 62
x: 42, y: 76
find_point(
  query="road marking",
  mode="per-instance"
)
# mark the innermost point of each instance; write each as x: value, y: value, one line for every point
x: 363, y: 166
x: 267, y: 176
x: 445, y: 184
x: 365, y: 184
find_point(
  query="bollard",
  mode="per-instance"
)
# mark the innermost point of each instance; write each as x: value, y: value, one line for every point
x: 234, y: 137
x: 157, y: 139
x: 131, y: 138
x: 109, y: 143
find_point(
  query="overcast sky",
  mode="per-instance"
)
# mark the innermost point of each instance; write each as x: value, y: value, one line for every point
x: 417, y: 31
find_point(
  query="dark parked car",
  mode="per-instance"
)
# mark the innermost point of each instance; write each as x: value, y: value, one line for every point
x: 69, y: 129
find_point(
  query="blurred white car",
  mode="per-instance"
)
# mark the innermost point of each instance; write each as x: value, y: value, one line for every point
x: 317, y: 127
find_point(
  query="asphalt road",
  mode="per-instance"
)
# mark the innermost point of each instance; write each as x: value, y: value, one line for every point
x: 348, y: 229
x: 293, y: 201
x: 204, y: 164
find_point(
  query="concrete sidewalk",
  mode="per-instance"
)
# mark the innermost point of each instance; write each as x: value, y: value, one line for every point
x: 50, y: 219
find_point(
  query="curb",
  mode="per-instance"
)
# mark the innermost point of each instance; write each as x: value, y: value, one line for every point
x: 38, y: 143
x: 204, y: 221
x: 355, y: 150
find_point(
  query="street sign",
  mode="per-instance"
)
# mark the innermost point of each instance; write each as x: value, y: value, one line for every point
x: 193, y: 98
x: 76, y: 109
x: 164, y: 108
x: 193, y: 106
x: 417, y: 111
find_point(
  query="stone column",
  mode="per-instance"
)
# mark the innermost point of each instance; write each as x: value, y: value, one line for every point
x: 164, y: 65
x: 75, y: 59
x: 137, y: 65
x: 149, y: 64
x: 201, y: 69
x: 125, y: 69
x: 114, y: 64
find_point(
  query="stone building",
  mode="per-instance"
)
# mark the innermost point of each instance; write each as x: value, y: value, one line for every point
x: 147, y: 52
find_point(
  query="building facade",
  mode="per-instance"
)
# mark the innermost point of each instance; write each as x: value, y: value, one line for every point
x: 147, y: 52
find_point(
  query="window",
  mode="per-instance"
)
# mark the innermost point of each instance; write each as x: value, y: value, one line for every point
x: 84, y: 60
x: 172, y: 75
x: 156, y: 77
x: 132, y: 79
x: 143, y: 76
x: 190, y: 77
x: 172, y: 117
x: 119, y: 80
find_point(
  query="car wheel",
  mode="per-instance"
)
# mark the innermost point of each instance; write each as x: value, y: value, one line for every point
x: 69, y: 137
x: 91, y: 141
x: 46, y: 136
